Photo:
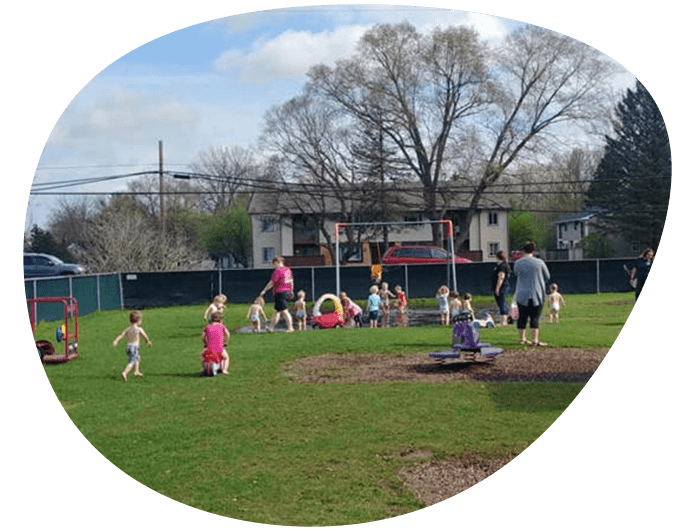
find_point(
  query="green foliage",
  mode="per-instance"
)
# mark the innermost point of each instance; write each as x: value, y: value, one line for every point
x: 597, y: 246
x: 523, y: 226
x: 261, y: 446
x: 228, y: 231
x: 632, y: 183
x: 43, y: 242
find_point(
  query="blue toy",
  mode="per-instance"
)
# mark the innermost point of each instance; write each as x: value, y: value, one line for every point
x: 465, y: 342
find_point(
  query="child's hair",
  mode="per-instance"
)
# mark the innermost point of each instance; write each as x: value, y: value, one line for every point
x: 217, y: 316
x: 443, y: 289
x: 135, y: 316
x: 454, y: 295
x: 259, y: 300
x: 384, y: 285
x: 554, y: 287
x: 374, y: 289
x: 301, y: 294
x: 221, y: 298
x: 467, y: 295
x: 398, y: 288
x: 342, y: 295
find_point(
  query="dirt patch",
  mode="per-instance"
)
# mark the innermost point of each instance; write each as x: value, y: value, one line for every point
x: 528, y: 364
x: 434, y: 481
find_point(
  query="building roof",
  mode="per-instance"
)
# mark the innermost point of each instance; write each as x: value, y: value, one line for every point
x: 300, y: 198
x: 576, y: 217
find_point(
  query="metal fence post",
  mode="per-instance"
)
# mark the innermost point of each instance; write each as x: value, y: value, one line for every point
x: 598, y: 280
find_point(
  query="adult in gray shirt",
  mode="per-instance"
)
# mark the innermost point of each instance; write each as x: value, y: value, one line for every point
x: 530, y: 292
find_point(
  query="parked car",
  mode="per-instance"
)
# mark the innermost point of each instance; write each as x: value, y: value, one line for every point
x: 42, y: 265
x: 419, y: 255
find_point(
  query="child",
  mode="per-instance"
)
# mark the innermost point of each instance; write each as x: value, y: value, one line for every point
x: 254, y: 312
x: 385, y: 296
x: 555, y: 300
x: 401, y: 306
x: 373, y: 306
x: 217, y: 305
x: 133, y: 348
x: 467, y: 305
x: 352, y: 312
x: 455, y: 304
x: 300, y: 308
x: 443, y: 306
x: 215, y: 336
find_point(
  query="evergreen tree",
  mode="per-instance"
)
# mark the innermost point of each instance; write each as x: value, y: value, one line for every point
x: 631, y: 185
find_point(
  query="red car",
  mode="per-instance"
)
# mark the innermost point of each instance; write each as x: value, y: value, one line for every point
x: 419, y: 255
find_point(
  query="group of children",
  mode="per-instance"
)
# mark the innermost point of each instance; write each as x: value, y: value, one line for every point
x: 215, y: 335
x: 450, y: 305
x: 378, y: 305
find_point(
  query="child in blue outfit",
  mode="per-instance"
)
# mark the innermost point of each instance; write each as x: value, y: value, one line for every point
x: 373, y: 306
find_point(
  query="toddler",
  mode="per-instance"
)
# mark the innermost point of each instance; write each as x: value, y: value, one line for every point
x: 443, y: 305
x: 555, y: 301
x: 133, y: 348
x: 373, y: 307
x: 401, y: 306
x: 254, y: 312
x: 215, y: 336
x: 455, y: 304
x: 385, y: 296
x: 352, y: 312
x: 218, y: 304
x: 300, y: 308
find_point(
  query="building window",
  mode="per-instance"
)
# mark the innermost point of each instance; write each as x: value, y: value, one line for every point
x: 269, y: 224
x: 493, y: 248
x: 493, y: 218
x: 267, y: 254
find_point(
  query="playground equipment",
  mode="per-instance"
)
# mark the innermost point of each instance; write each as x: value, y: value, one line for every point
x: 329, y: 320
x: 465, y: 342
x: 211, y: 363
x: 63, y: 333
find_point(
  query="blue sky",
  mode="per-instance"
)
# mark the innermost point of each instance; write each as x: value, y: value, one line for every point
x: 205, y: 85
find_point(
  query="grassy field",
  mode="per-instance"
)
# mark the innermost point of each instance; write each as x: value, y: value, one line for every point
x: 258, y: 446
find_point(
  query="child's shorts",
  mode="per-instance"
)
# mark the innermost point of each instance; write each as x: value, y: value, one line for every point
x: 133, y: 352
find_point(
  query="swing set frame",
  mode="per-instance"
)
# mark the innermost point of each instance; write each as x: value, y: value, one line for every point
x: 447, y: 226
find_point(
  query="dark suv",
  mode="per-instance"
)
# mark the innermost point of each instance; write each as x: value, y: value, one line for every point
x: 42, y: 265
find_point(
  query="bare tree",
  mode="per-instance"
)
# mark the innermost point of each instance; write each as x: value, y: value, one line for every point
x: 417, y: 88
x: 224, y: 172
x: 545, y: 84
x: 320, y: 173
x: 123, y: 236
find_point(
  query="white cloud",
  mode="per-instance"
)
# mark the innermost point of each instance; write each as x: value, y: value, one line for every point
x: 124, y: 117
x: 291, y: 54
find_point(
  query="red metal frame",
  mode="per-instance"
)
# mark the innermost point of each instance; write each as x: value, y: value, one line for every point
x: 71, y: 309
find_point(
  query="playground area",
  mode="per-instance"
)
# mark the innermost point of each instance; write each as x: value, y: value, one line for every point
x: 323, y: 427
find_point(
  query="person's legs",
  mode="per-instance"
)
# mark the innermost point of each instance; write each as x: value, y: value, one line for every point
x: 534, y: 315
x: 289, y: 321
x: 125, y: 372
x: 225, y: 360
x: 522, y: 322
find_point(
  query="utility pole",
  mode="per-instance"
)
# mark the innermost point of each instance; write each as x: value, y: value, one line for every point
x: 161, y: 188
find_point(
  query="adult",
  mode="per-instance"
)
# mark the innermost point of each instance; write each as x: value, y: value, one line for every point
x: 500, y: 283
x: 639, y: 272
x: 282, y: 285
x: 530, y: 292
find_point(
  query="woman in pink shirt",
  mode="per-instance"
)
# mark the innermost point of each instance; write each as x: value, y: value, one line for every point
x: 282, y: 285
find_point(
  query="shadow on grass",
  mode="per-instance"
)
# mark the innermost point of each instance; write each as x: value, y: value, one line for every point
x: 532, y: 396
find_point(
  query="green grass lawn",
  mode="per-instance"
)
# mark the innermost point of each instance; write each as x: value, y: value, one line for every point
x: 260, y: 447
